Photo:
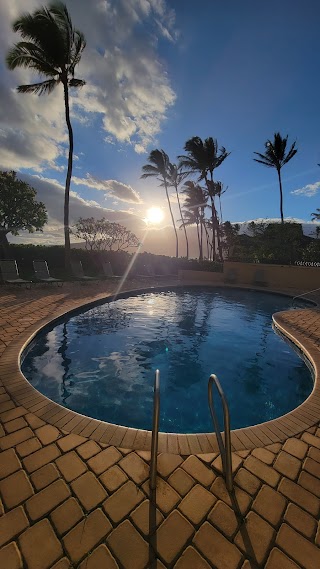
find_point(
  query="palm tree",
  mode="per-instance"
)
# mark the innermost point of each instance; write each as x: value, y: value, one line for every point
x: 202, y: 158
x: 275, y: 157
x: 195, y: 202
x: 316, y: 215
x: 175, y: 178
x: 219, y: 190
x: 52, y: 47
x: 159, y: 169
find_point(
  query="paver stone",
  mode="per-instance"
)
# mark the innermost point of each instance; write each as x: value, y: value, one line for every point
x: 172, y: 536
x: 85, y: 535
x: 197, y: 504
x: 15, y: 489
x: 10, y: 557
x: 260, y: 534
x: 215, y: 547
x: 100, y: 558
x: 49, y: 552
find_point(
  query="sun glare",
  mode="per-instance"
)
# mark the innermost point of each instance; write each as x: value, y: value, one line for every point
x: 154, y: 215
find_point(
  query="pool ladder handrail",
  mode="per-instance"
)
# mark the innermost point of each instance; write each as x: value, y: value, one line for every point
x: 224, y: 446
x: 155, y: 430
x: 304, y: 294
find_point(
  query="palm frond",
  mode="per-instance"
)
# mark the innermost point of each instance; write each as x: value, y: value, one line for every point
x: 265, y: 160
x: 290, y: 154
x: 76, y: 82
x: 46, y: 87
x: 78, y: 46
x: 27, y: 54
x: 315, y: 215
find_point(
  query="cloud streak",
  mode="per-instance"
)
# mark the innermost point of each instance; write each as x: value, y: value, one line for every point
x: 309, y: 190
x: 113, y: 188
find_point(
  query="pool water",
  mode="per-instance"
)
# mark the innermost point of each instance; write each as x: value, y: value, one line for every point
x: 101, y: 362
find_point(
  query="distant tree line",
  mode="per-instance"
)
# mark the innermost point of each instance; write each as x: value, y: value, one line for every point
x: 270, y: 243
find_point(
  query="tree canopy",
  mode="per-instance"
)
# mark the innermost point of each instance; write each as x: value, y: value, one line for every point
x: 101, y: 235
x: 19, y: 209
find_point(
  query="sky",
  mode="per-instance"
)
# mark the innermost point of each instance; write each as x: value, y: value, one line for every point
x: 157, y: 73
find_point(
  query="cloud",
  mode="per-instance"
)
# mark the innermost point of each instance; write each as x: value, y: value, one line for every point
x: 127, y: 87
x: 309, y: 190
x: 113, y: 188
x: 51, y: 193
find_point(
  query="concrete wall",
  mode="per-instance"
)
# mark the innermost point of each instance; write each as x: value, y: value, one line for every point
x: 276, y: 276
x: 201, y: 277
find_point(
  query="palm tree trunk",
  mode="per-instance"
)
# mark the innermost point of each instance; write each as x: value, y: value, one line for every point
x: 197, y: 223
x: 184, y: 227
x: 201, y: 240
x: 281, y: 195
x: 221, y: 220
x: 68, y: 181
x: 207, y: 240
x: 172, y: 218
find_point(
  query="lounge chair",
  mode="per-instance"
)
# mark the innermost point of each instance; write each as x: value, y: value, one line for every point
x: 10, y: 273
x: 259, y: 278
x: 107, y: 270
x: 78, y: 272
x: 231, y: 276
x: 42, y: 273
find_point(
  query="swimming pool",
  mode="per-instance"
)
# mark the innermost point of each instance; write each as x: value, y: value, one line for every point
x: 101, y: 362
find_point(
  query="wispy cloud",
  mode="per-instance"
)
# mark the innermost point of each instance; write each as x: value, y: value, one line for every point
x: 113, y: 188
x: 309, y: 190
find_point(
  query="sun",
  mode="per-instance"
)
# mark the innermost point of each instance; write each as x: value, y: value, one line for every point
x: 154, y: 215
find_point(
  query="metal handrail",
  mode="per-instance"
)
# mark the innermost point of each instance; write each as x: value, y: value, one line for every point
x: 304, y: 293
x: 225, y: 447
x: 155, y: 431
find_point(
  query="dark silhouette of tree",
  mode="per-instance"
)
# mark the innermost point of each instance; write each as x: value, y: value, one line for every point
x: 18, y: 209
x: 316, y: 215
x: 159, y: 169
x: 202, y: 158
x: 194, y: 207
x: 101, y: 234
x: 275, y: 157
x: 52, y: 48
x: 175, y: 178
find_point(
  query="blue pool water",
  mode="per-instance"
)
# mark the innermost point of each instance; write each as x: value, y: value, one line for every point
x: 101, y: 362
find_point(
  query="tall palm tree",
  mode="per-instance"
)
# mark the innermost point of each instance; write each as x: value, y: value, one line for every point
x: 202, y: 158
x: 159, y: 169
x: 195, y: 202
x: 52, y: 48
x: 219, y: 191
x: 275, y: 157
x: 175, y: 178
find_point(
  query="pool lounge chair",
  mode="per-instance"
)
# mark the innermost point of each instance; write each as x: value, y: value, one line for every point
x: 231, y: 276
x: 259, y: 278
x: 78, y: 272
x: 10, y: 273
x: 42, y: 274
x: 107, y: 270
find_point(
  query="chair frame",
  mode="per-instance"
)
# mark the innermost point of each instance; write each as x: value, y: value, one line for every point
x: 45, y: 279
x: 6, y: 275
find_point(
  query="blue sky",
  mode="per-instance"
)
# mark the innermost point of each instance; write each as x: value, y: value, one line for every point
x: 159, y: 72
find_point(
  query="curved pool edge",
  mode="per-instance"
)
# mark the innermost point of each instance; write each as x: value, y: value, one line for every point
x: 247, y: 438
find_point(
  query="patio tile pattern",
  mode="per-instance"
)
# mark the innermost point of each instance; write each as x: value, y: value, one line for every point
x: 73, y: 500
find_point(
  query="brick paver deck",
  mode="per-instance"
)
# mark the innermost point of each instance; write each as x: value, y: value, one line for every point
x: 75, y: 494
